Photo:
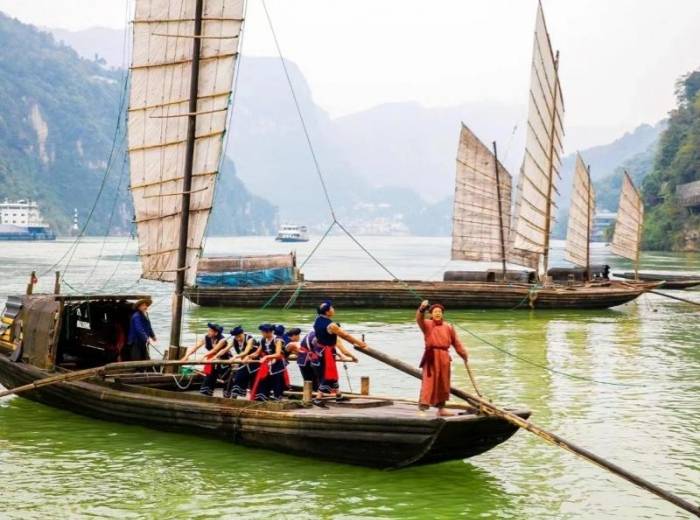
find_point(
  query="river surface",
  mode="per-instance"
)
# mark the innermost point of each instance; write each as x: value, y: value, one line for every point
x: 624, y: 383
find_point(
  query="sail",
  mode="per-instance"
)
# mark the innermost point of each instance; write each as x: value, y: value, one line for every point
x: 476, y: 220
x: 630, y: 217
x: 158, y: 118
x: 543, y: 148
x: 581, y: 214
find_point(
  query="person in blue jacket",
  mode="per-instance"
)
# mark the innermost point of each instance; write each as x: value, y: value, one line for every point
x: 140, y: 331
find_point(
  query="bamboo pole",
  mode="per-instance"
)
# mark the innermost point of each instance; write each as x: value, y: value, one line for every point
x: 552, y: 438
x: 674, y: 297
x: 500, y: 211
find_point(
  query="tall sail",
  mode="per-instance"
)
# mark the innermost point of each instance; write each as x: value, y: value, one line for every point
x: 476, y: 218
x: 543, y: 149
x: 581, y: 213
x: 630, y: 218
x: 161, y: 72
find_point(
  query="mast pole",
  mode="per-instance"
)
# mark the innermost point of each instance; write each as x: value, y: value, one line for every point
x: 550, y: 184
x: 588, y: 226
x: 500, y: 210
x: 639, y: 229
x: 176, y: 325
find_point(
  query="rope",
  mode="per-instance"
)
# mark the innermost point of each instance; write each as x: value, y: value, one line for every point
x: 299, y: 113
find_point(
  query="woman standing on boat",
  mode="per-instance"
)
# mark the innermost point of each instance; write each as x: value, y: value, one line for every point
x: 242, y: 344
x: 436, y: 362
x: 273, y: 365
x: 214, y: 342
x: 140, y: 331
x: 327, y: 334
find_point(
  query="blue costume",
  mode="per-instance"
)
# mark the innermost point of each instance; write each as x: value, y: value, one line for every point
x: 325, y: 349
x: 240, y: 378
x: 215, y: 371
x: 308, y: 361
x: 140, y: 331
x: 273, y: 377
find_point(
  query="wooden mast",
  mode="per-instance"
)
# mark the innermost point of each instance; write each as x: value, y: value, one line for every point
x: 639, y: 230
x: 176, y: 325
x: 588, y: 225
x: 550, y: 183
x: 500, y: 210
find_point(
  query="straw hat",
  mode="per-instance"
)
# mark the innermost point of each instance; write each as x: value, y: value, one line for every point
x: 142, y: 301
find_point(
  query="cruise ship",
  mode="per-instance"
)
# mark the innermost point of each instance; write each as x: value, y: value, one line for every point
x: 292, y: 233
x: 22, y: 220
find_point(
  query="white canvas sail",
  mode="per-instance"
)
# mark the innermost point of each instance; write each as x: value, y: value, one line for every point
x: 543, y: 148
x: 157, y: 123
x: 630, y: 218
x: 476, y: 221
x: 581, y: 214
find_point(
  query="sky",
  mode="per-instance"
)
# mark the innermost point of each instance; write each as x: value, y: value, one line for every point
x: 619, y: 58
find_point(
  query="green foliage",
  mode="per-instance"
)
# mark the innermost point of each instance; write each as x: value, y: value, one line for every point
x: 677, y: 162
x: 59, y: 120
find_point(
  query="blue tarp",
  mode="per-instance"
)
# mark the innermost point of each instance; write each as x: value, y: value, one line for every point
x: 246, y: 278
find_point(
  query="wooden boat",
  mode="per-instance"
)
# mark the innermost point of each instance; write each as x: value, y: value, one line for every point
x: 669, y: 281
x: 396, y: 294
x: 375, y: 432
x: 481, y: 229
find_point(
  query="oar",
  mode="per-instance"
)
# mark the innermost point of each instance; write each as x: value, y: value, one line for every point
x: 471, y: 377
x: 112, y: 367
x: 674, y: 297
x: 552, y: 438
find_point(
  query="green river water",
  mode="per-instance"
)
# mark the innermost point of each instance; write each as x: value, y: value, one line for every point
x: 624, y: 383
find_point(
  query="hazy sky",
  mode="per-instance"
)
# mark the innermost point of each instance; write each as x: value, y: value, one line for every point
x: 619, y: 58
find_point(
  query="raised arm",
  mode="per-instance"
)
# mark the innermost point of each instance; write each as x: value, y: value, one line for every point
x: 218, y: 350
x: 344, y: 351
x: 420, y: 315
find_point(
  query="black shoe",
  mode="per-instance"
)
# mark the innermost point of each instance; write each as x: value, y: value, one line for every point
x: 207, y: 392
x: 341, y: 398
x: 227, y: 396
x: 319, y: 403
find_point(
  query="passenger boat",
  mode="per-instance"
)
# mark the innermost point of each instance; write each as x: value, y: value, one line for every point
x: 668, y: 281
x: 292, y: 233
x: 482, y: 230
x: 67, y: 333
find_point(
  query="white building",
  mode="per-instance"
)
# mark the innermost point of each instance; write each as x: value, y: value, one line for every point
x: 21, y: 213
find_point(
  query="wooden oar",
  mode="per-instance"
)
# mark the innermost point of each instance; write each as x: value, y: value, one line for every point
x: 674, y: 297
x: 112, y: 367
x: 551, y: 438
x: 471, y: 377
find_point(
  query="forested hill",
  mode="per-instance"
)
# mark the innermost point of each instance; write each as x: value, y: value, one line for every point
x: 58, y: 122
x: 668, y: 226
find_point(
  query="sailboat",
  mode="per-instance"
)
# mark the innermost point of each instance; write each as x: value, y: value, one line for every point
x: 482, y: 230
x: 184, y: 57
x: 627, y: 240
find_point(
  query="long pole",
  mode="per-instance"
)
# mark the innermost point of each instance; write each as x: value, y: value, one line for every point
x: 500, y: 210
x: 588, y: 226
x: 550, y: 182
x: 176, y: 324
x: 552, y: 438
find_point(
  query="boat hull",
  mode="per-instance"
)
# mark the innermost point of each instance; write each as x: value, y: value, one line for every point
x: 383, y: 294
x: 394, y: 437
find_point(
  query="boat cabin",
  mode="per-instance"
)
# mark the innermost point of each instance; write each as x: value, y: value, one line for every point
x: 68, y: 331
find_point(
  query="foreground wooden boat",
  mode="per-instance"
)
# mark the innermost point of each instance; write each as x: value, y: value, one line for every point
x: 669, y: 281
x: 398, y: 294
x: 365, y: 431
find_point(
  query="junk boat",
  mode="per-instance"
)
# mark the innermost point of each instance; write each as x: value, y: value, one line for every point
x: 482, y: 230
x: 292, y: 233
x: 46, y: 335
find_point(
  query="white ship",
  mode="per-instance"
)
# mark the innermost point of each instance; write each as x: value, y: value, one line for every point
x: 22, y: 220
x: 292, y: 233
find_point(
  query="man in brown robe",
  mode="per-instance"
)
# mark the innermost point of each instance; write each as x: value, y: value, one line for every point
x: 436, y: 363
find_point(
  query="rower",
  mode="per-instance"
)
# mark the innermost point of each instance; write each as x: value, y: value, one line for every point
x: 327, y: 334
x: 141, y: 333
x: 242, y: 377
x: 214, y: 342
x: 307, y: 359
x: 239, y: 342
x: 436, y: 362
x: 273, y: 365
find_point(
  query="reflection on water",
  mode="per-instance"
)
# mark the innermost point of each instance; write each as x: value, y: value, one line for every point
x: 621, y: 382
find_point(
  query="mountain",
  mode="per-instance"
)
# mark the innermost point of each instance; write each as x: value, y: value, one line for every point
x: 667, y: 224
x: 633, y: 151
x: 96, y: 43
x: 62, y: 141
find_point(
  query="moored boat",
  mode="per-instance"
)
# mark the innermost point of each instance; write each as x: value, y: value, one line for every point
x: 292, y: 233
x: 375, y: 432
x: 669, y: 281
